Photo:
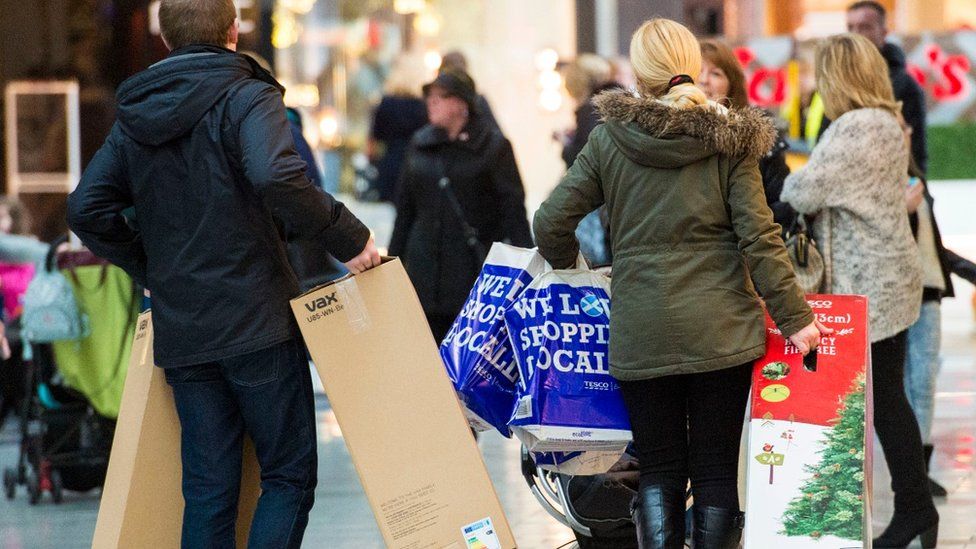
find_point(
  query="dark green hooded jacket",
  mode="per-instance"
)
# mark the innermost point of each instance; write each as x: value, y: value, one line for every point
x: 689, y: 224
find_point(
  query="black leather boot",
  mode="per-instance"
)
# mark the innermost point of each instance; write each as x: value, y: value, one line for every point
x: 716, y: 528
x: 938, y: 491
x: 906, y: 526
x: 659, y: 514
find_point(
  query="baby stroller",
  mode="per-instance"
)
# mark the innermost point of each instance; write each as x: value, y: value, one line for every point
x: 74, y: 387
x: 64, y: 442
x: 596, y: 508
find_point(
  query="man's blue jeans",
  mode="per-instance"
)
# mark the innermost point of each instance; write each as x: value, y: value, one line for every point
x: 268, y: 396
x: 922, y: 364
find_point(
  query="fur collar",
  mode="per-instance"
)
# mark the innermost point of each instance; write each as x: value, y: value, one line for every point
x: 737, y: 132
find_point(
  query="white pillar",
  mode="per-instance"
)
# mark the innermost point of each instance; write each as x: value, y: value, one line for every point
x: 606, y: 17
x: 501, y: 39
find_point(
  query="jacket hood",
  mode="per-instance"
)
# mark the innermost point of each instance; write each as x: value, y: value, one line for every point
x: 654, y: 134
x: 893, y: 55
x: 166, y: 100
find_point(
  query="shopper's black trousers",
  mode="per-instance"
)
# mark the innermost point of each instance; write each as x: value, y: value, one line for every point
x: 688, y: 427
x: 895, y: 424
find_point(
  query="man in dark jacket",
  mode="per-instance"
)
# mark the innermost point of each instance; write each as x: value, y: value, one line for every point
x: 202, y: 150
x: 869, y: 19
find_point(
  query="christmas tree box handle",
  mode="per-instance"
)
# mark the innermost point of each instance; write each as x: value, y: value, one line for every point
x: 810, y: 361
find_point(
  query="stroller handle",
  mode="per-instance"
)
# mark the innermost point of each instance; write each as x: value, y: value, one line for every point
x: 537, y: 479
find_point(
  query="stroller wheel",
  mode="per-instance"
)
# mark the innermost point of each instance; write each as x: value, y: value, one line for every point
x: 33, y: 487
x: 10, y: 483
x: 57, y: 486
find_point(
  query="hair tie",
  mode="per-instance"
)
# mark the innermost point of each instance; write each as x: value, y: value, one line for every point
x: 678, y: 80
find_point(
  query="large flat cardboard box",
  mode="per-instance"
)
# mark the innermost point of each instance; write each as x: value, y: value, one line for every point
x: 418, y: 462
x: 142, y: 502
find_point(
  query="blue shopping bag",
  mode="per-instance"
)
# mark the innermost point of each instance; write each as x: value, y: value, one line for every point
x: 476, y: 351
x: 567, y: 402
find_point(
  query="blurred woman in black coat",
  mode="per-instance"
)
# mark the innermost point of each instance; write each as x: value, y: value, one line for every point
x: 460, y: 191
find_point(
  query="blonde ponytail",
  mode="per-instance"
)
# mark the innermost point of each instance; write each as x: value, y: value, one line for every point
x: 661, y: 49
x: 684, y: 96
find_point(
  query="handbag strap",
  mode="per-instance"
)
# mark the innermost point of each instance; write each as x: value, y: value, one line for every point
x: 798, y: 238
x: 101, y: 278
x: 470, y: 233
x: 52, y: 252
x: 798, y: 226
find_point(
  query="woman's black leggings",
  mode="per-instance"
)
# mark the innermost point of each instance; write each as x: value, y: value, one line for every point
x: 688, y: 427
x: 896, y: 426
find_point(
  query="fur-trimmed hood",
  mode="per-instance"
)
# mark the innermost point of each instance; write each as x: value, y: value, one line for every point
x: 652, y: 133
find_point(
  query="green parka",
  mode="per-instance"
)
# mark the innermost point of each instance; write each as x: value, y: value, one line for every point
x: 689, y: 224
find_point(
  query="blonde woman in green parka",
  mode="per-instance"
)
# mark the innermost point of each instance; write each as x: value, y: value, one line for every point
x: 693, y: 242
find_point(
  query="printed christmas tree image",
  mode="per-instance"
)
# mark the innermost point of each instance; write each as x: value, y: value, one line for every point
x: 832, y: 502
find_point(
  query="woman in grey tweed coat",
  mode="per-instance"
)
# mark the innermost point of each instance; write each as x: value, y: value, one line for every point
x: 854, y: 184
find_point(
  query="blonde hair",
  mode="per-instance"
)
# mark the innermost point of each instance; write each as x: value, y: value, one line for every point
x: 406, y: 77
x: 851, y: 74
x: 586, y: 74
x: 660, y: 50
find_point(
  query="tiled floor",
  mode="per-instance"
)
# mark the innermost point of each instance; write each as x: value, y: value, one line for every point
x: 342, y: 519
x: 953, y: 433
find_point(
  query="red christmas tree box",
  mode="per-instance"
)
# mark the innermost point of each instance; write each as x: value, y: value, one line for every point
x: 808, y: 481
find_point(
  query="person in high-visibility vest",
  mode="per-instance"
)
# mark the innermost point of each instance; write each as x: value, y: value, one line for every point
x: 815, y: 120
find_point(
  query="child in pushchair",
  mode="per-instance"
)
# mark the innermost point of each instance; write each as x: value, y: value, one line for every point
x: 18, y: 254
